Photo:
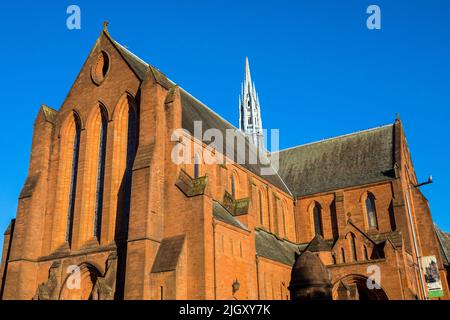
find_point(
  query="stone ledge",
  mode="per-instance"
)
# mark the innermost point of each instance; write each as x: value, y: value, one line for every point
x: 191, y: 187
x: 237, y: 207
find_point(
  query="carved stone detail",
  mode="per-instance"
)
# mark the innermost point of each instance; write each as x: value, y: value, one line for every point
x: 191, y: 187
x: 46, y: 290
x: 236, y: 207
x: 105, y: 286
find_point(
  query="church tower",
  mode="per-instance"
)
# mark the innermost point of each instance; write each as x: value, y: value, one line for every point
x: 249, y: 110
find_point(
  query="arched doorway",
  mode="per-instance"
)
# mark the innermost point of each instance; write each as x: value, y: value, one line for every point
x: 355, y: 287
x: 80, y: 284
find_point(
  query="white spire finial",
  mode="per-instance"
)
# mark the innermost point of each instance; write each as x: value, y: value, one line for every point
x: 249, y: 109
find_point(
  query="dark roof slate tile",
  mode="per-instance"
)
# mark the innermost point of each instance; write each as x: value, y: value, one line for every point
x: 270, y: 247
x: 168, y: 254
x: 355, y: 159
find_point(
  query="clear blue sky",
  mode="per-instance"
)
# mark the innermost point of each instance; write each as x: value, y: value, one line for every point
x: 319, y: 71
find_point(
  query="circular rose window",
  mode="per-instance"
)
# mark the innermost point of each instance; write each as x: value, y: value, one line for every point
x: 100, y: 68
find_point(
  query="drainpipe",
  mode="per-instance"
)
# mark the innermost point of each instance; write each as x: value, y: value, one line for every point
x: 416, y: 248
x: 257, y: 276
x: 214, y: 257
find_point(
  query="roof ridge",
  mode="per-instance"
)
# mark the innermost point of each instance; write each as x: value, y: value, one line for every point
x: 438, y: 230
x: 130, y: 52
x: 241, y: 133
x: 210, y: 109
x: 336, y: 137
x: 276, y: 237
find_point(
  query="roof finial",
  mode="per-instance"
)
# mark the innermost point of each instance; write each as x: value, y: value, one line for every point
x: 397, y: 116
x: 105, y: 25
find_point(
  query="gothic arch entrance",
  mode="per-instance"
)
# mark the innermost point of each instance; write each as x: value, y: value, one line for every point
x: 354, y: 287
x: 80, y: 284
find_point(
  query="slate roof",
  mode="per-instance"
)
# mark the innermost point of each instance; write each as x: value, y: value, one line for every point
x: 444, y: 244
x: 270, y: 247
x: 168, y: 254
x: 194, y: 110
x: 394, y: 236
x: 318, y: 244
x: 139, y: 66
x: 222, y: 214
x: 355, y: 159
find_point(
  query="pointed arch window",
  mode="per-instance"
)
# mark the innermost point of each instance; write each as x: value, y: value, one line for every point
x: 317, y: 216
x: 371, y: 212
x: 100, y: 174
x: 73, y: 179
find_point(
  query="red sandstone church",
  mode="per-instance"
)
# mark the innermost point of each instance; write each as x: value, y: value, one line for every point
x: 105, y: 204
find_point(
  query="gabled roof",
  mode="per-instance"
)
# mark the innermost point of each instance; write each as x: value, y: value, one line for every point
x: 220, y: 213
x: 318, y: 244
x: 395, y: 237
x: 355, y: 159
x: 273, y: 248
x: 444, y: 244
x: 139, y: 66
x: 168, y: 254
x: 194, y: 110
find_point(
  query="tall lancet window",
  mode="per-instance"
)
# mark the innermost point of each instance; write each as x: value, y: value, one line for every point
x: 131, y: 152
x: 371, y: 212
x: 73, y: 179
x: 317, y: 215
x: 100, y: 175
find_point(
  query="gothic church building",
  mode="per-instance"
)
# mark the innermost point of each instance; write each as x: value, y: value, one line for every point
x: 105, y: 213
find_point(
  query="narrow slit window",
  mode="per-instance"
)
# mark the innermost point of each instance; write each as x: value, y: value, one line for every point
x: 318, y: 228
x: 73, y: 181
x: 371, y: 212
x: 100, y: 176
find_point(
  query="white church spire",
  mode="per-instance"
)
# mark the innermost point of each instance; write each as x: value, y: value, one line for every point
x: 249, y: 109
